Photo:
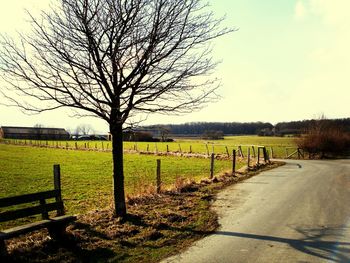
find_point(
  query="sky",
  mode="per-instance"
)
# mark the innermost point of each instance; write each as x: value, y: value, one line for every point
x: 288, y: 60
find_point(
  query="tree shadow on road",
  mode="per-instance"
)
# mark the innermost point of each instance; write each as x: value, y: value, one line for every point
x: 315, y: 242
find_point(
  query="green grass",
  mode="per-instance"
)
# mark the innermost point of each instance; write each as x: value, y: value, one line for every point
x: 87, y: 175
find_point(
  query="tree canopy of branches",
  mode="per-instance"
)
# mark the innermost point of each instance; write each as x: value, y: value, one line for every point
x: 113, y: 59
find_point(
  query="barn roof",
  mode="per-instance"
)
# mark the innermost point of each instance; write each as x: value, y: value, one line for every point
x: 31, y: 130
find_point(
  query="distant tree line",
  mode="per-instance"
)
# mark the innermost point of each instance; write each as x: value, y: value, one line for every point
x: 200, y: 128
x: 246, y: 128
x: 298, y: 127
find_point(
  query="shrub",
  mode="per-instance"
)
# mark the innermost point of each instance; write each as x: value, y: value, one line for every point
x: 324, y: 138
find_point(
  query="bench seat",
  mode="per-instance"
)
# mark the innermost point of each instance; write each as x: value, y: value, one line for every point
x: 46, y: 223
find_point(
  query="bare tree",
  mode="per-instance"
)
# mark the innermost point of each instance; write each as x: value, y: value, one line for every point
x: 83, y: 129
x: 113, y: 59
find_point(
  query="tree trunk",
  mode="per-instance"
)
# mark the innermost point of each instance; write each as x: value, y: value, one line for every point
x: 118, y: 170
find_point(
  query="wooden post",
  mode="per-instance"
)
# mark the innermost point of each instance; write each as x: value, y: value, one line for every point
x: 206, y: 145
x: 167, y: 148
x: 76, y: 145
x: 107, y: 146
x: 159, y: 182
x: 258, y: 155
x: 286, y: 152
x: 67, y: 145
x: 45, y: 214
x: 103, y: 147
x: 265, y: 155
x: 253, y: 148
x: 271, y: 149
x: 134, y: 146
x: 88, y: 144
x: 95, y: 146
x: 233, y: 162
x: 57, y: 186
x: 240, y: 151
x: 248, y: 157
x: 212, y: 165
x: 190, y: 148
x: 147, y: 148
x: 155, y: 145
x: 180, y: 148
x: 228, y: 154
x: 300, y: 153
x: 212, y: 149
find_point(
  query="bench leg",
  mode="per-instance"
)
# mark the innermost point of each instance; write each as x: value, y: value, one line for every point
x: 57, y: 232
x: 3, y: 250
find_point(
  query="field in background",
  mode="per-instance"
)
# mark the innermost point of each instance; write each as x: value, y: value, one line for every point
x: 87, y: 175
x: 278, y: 145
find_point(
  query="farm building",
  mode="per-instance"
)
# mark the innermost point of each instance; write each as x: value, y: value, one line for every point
x: 33, y: 133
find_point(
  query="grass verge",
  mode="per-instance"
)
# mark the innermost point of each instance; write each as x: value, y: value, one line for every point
x: 157, y: 226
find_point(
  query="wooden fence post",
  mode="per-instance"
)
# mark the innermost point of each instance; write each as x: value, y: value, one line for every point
x: 159, y: 182
x: 240, y: 151
x: 155, y: 145
x: 248, y: 157
x: 167, y: 148
x: 228, y: 154
x: 300, y: 153
x: 76, y: 145
x: 258, y: 162
x: 180, y: 148
x: 57, y: 186
x: 147, y: 148
x: 233, y: 162
x: 253, y: 148
x: 272, y: 155
x: 190, y: 148
x: 265, y: 155
x: 206, y: 145
x: 212, y: 165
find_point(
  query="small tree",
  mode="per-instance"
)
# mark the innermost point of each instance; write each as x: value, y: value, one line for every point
x: 113, y: 59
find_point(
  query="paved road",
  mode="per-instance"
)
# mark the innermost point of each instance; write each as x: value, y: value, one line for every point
x: 299, y: 212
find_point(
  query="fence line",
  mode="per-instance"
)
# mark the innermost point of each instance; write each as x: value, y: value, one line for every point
x: 170, y: 149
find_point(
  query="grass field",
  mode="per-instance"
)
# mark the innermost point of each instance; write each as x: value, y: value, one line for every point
x: 87, y: 175
x: 278, y: 144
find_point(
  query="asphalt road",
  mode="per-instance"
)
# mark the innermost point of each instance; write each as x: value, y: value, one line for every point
x: 299, y: 212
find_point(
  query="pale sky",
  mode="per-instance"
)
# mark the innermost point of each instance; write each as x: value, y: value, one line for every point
x: 289, y: 60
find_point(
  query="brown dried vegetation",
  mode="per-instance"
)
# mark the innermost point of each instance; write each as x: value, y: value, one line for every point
x: 323, y: 139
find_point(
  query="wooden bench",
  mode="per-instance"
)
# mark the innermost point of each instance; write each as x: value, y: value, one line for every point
x: 37, y: 204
